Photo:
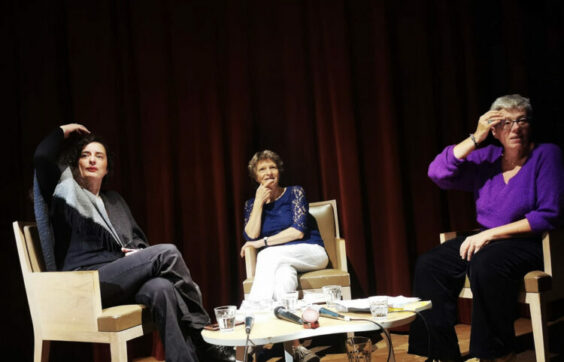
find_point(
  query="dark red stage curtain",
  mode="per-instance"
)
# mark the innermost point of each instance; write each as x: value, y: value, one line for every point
x: 356, y: 96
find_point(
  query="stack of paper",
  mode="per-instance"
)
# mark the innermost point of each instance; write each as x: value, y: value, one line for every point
x: 362, y: 305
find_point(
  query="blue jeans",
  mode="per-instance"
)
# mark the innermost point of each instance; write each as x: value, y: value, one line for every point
x: 159, y: 278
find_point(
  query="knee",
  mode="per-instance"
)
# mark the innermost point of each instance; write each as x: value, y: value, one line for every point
x: 267, y: 256
x: 166, y: 248
x: 166, y: 252
x: 425, y: 263
x: 428, y: 269
x: 286, y: 272
x: 480, y: 269
x: 155, y: 291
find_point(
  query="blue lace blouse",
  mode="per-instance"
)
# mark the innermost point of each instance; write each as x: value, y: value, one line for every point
x: 290, y: 210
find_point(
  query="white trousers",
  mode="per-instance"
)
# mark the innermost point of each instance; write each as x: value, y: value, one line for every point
x: 278, y: 266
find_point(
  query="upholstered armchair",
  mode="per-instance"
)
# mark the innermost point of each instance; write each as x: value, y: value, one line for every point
x: 336, y: 273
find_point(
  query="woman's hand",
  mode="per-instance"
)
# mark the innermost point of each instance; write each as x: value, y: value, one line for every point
x: 251, y: 244
x: 264, y: 192
x: 74, y: 127
x: 128, y: 251
x: 473, y: 244
x: 486, y: 122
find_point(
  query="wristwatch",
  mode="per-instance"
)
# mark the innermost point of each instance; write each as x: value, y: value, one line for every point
x: 265, y: 241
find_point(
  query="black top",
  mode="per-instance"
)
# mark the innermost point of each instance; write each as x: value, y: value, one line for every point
x: 79, y: 241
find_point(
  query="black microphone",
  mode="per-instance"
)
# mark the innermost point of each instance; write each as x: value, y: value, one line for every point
x: 282, y: 313
x: 324, y: 312
x: 249, y: 321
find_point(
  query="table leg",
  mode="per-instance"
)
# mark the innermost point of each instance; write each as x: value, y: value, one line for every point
x: 288, y: 351
x: 240, y: 353
x: 393, y: 356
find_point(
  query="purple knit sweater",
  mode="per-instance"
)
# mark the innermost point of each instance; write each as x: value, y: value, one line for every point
x: 536, y: 192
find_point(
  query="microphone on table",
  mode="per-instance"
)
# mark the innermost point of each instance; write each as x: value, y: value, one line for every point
x: 249, y: 321
x: 282, y: 313
x: 324, y: 312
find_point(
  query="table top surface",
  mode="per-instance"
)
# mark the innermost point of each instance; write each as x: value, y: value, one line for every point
x: 269, y: 329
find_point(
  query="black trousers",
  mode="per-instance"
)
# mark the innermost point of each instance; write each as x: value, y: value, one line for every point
x: 495, y: 273
x: 159, y: 278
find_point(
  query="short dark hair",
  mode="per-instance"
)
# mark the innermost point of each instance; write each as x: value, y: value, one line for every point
x: 73, y: 150
x: 261, y: 156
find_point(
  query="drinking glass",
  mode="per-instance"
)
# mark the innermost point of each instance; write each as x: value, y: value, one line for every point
x: 332, y: 294
x: 225, y: 316
x: 378, y: 307
x: 290, y: 301
x: 358, y: 349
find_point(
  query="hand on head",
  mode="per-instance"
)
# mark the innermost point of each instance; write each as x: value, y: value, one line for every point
x: 487, y: 121
x: 74, y: 127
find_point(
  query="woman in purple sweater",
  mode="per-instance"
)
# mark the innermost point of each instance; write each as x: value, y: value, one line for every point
x: 519, y: 193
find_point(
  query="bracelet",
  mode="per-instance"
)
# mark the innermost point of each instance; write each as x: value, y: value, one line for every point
x: 265, y: 241
x: 473, y: 140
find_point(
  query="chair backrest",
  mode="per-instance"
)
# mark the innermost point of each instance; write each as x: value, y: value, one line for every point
x: 325, y: 213
x: 29, y: 247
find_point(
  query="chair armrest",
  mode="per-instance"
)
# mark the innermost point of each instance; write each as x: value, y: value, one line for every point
x: 250, y: 261
x: 341, y: 254
x: 65, y: 300
x: 537, y: 281
x: 454, y: 234
x: 448, y: 235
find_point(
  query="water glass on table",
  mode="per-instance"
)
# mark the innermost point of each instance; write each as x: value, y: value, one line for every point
x: 225, y: 316
x: 358, y: 349
x: 290, y: 301
x: 378, y: 307
x: 332, y: 294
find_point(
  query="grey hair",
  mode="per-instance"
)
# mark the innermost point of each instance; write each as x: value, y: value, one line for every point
x: 513, y: 101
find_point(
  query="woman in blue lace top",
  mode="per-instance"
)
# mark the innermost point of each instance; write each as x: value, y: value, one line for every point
x: 277, y: 221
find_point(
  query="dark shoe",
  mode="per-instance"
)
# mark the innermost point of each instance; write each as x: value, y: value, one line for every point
x: 214, y: 353
x: 303, y: 354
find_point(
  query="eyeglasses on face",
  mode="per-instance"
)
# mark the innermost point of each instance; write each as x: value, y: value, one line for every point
x: 508, y: 123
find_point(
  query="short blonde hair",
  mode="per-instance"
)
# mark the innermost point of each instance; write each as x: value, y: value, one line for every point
x: 261, y: 156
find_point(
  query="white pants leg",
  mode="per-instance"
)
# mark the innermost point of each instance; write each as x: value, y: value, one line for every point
x: 285, y: 280
x: 277, y: 268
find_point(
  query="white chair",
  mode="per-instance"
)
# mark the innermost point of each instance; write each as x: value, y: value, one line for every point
x: 67, y: 306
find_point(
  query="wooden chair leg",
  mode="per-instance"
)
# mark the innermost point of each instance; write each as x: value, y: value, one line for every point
x: 118, y: 349
x: 540, y: 329
x: 41, y: 350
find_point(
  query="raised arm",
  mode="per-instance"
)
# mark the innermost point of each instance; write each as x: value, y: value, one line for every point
x: 46, y: 156
x: 294, y: 232
x: 253, y: 219
x: 486, y: 122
